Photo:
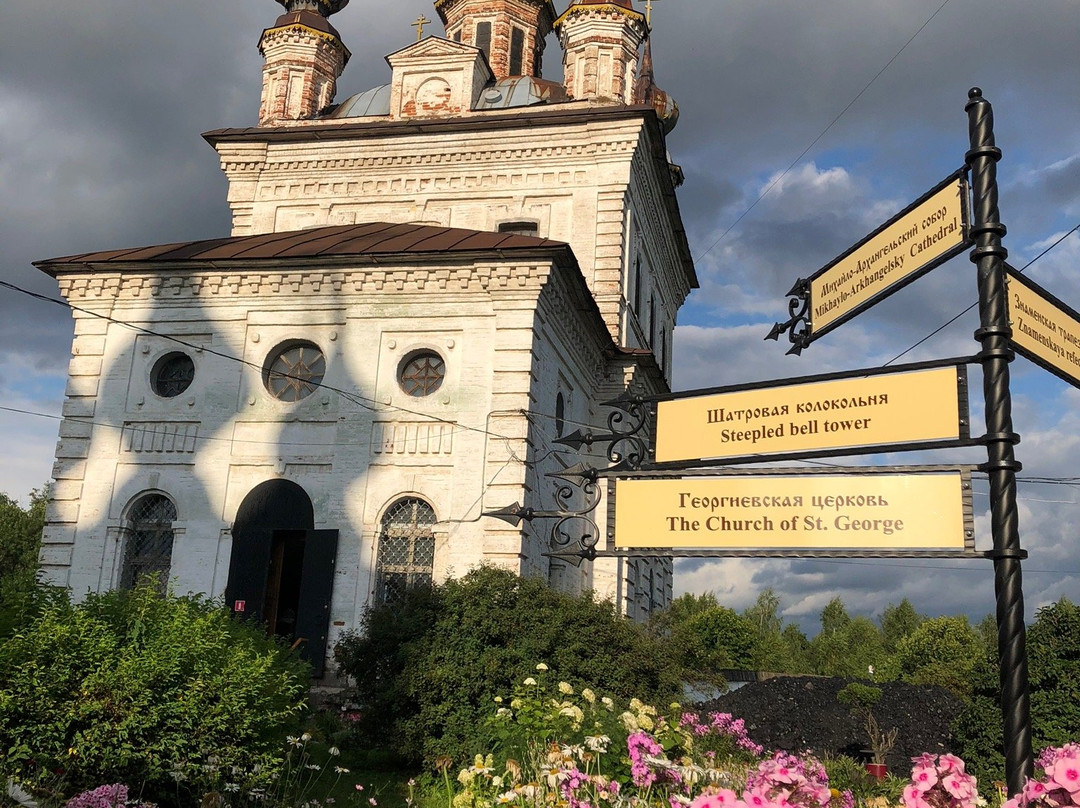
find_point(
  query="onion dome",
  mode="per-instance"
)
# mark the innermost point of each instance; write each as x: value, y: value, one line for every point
x: 323, y: 7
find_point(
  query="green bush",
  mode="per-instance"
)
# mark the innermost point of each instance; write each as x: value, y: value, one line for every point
x: 427, y: 669
x: 941, y: 651
x: 20, y: 541
x: 1053, y: 646
x: 142, y: 689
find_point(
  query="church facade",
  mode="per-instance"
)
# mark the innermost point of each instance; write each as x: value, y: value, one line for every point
x: 426, y: 284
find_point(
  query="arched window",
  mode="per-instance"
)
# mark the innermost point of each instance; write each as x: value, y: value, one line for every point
x: 406, y: 549
x: 148, y: 540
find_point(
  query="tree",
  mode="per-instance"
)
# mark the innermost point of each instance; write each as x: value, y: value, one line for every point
x: 846, y: 645
x: 898, y: 622
x: 705, y: 637
x: 20, y: 543
x: 20, y: 533
x: 1053, y: 646
x: 941, y: 651
x: 778, y: 647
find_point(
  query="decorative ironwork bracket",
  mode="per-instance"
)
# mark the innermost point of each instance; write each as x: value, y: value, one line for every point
x: 797, y: 326
x: 578, y: 484
x: 627, y: 443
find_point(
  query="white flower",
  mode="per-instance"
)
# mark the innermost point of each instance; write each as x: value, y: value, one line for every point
x: 333, y: 751
x: 506, y: 798
x: 588, y: 695
x: 597, y: 743
x: 607, y: 702
x: 530, y: 682
x: 292, y: 739
x: 340, y: 770
x: 232, y: 786
x: 315, y: 767
x: 498, y: 699
x: 541, y: 667
x: 305, y: 737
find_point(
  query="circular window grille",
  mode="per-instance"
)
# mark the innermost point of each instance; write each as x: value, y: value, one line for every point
x: 422, y: 373
x: 295, y: 371
x: 172, y: 375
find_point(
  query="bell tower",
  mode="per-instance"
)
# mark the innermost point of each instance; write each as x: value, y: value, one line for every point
x: 600, y: 40
x: 304, y: 57
x: 510, y: 32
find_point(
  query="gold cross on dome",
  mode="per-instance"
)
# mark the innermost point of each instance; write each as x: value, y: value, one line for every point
x: 648, y: 12
x: 421, y: 21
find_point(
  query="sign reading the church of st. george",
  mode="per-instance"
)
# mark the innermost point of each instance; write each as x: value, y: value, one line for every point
x: 914, y: 508
x: 925, y: 234
x: 1044, y: 329
x: 898, y: 408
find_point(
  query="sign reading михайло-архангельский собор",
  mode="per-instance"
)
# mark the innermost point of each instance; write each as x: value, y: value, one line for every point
x: 913, y: 242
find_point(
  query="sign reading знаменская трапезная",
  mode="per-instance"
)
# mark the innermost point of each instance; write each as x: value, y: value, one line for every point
x: 916, y: 240
x: 1044, y: 329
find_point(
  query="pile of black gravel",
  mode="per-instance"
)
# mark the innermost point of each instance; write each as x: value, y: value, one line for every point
x: 797, y: 713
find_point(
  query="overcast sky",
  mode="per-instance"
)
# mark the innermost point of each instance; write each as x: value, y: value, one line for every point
x: 844, y: 111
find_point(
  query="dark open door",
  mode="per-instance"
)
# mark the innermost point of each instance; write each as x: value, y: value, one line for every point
x: 316, y: 586
x: 274, y: 505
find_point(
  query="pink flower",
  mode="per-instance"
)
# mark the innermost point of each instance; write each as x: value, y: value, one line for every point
x: 913, y: 797
x: 1033, y: 789
x: 959, y: 785
x: 925, y: 777
x: 950, y: 763
x: 1066, y: 773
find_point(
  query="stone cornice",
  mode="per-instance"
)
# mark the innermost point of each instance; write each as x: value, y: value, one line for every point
x: 165, y: 285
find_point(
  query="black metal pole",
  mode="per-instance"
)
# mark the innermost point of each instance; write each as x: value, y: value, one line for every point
x: 993, y: 334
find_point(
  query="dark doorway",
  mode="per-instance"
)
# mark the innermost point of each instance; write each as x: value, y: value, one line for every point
x: 281, y: 571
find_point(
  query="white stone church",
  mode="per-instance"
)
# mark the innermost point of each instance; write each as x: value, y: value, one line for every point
x: 426, y: 284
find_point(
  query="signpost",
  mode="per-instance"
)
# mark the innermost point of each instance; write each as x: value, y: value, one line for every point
x: 847, y: 508
x: 665, y: 509
x: 880, y: 408
x: 1044, y: 329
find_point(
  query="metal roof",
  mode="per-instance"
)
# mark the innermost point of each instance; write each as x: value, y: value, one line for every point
x: 376, y: 238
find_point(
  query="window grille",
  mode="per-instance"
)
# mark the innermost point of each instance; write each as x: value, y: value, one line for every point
x: 406, y: 549
x: 148, y: 541
x: 422, y: 373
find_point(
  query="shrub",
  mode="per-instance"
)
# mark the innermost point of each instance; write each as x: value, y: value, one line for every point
x: 941, y: 651
x: 427, y: 669
x: 139, y: 688
x: 1053, y: 646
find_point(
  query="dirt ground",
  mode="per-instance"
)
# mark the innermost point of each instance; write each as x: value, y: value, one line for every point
x: 797, y: 713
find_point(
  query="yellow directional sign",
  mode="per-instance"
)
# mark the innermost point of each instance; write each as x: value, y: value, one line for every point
x: 914, y: 241
x: 1044, y: 329
x: 860, y: 508
x: 883, y: 409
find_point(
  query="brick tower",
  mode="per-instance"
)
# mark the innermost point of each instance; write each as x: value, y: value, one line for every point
x: 304, y: 57
x: 510, y: 32
x: 600, y: 40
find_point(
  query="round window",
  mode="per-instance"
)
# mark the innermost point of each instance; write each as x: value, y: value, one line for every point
x: 172, y: 374
x: 294, y: 371
x: 422, y: 373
